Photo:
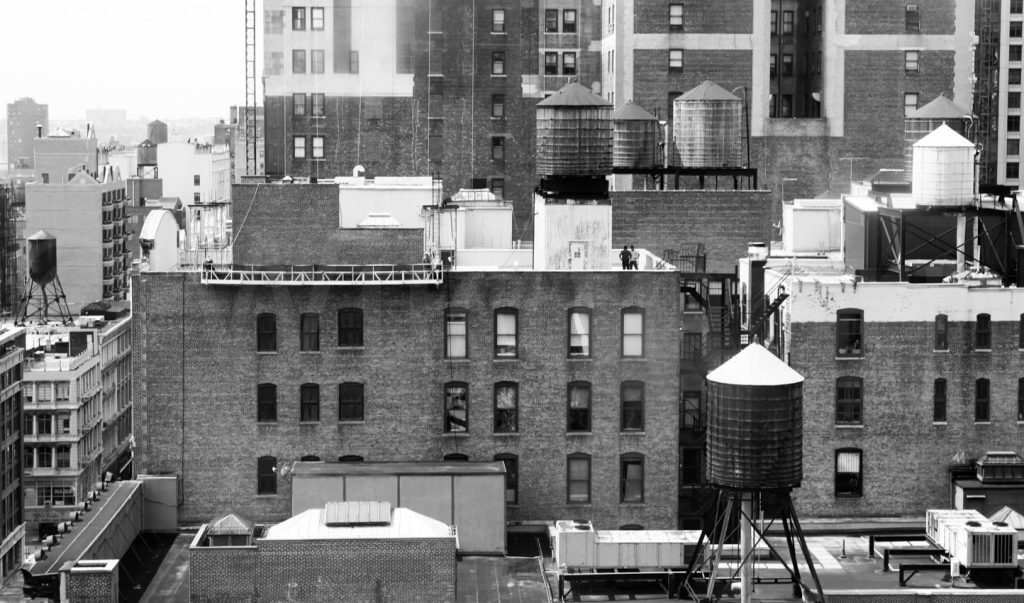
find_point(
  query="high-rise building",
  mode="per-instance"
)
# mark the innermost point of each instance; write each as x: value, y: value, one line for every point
x: 12, y: 527
x: 997, y: 102
x: 25, y: 119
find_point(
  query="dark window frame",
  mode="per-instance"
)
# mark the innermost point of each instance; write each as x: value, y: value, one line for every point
x: 675, y: 59
x: 788, y: 22
x: 309, y: 332
x: 266, y: 475
x: 849, y: 333
x: 940, y: 400
x: 1020, y: 400
x: 632, y: 411
x: 849, y: 400
x: 551, y: 20
x: 266, y: 403
x: 502, y: 349
x: 626, y: 459
x: 497, y: 25
x: 569, y: 25
x: 912, y: 19
x: 587, y: 480
x: 350, y: 328
x: 498, y: 106
x: 633, y: 310
x: 941, y: 332
x: 852, y: 484
x: 266, y: 332
x: 912, y: 61
x: 449, y: 314
x: 451, y: 421
x: 298, y: 18
x: 309, y: 403
x: 498, y: 63
x: 983, y: 332
x: 691, y: 418
x: 506, y: 420
x: 298, y: 104
x: 550, y: 63
x: 578, y: 419
x: 587, y: 337
x: 982, y: 401
x: 675, y: 21
x: 298, y: 60
x: 566, y: 68
x: 351, y: 402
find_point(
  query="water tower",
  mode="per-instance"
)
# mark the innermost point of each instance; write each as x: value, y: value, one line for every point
x: 925, y: 120
x: 754, y: 460
x: 44, y: 300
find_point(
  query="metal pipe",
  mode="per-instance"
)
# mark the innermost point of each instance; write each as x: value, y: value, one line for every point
x: 746, y: 547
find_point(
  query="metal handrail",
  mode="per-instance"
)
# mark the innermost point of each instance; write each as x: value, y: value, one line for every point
x: 322, y: 274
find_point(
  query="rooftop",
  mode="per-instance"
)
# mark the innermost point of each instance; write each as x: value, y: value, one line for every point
x: 313, y: 525
x: 313, y: 468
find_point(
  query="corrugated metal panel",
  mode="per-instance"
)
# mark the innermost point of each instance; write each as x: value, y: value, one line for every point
x: 358, y: 513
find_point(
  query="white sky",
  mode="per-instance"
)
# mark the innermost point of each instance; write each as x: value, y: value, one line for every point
x: 154, y: 58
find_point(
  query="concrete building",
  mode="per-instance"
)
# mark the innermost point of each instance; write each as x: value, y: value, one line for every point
x: 199, y: 175
x: 998, y: 104
x: 25, y: 118
x: 86, y: 215
x: 12, y: 528
x: 78, y: 417
x: 60, y: 155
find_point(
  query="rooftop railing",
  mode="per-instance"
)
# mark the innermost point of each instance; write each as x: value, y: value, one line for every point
x: 373, y: 274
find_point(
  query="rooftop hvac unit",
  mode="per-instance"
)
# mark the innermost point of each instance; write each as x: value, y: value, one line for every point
x: 972, y: 539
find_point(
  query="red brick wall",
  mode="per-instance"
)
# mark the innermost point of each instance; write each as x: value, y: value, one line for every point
x: 298, y: 224
x: 889, y: 17
x: 905, y: 455
x: 725, y: 221
x: 403, y: 370
x: 222, y: 573
x: 699, y: 16
x: 653, y: 82
x: 92, y: 587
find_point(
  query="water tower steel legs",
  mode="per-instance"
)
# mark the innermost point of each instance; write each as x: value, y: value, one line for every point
x: 746, y: 546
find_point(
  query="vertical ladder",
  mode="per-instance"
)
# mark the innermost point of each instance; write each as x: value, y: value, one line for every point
x: 250, y: 87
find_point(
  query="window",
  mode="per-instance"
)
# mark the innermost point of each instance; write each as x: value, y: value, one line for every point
x: 691, y: 469
x: 939, y: 401
x: 848, y: 333
x: 195, y: 198
x: 505, y: 332
x: 786, y: 105
x: 1012, y: 170
x: 350, y: 402
x: 1020, y: 399
x: 578, y: 478
x: 318, y: 104
x: 318, y: 147
x: 498, y: 105
x: 551, y: 20
x: 849, y: 483
x: 29, y: 427
x: 498, y: 20
x: 298, y: 61
x: 675, y: 17
x: 298, y: 104
x: 550, y: 63
x: 44, y: 423
x: 195, y: 180
x: 675, y: 59
x: 456, y: 407
x: 511, y: 477
x: 309, y: 403
x: 1013, y: 123
x: 1014, y: 76
x: 569, y: 20
x: 773, y: 65
x: 353, y: 61
x: 63, y: 457
x: 578, y: 411
x: 498, y: 148
x: 266, y: 475
x: 497, y: 63
x: 983, y: 333
x: 299, y: 18
x: 913, y: 19
x: 498, y: 187
x: 456, y: 456
x: 568, y: 63
x: 316, y: 61
x: 909, y: 103
x: 1015, y: 52
x: 1015, y: 29
x: 941, y: 332
x: 849, y: 401
x: 266, y: 403
x: 506, y: 407
x: 350, y: 458
x: 631, y: 478
x: 316, y: 18
x: 310, y: 457
x: 44, y: 456
x: 1016, y: 6
x: 350, y: 328
x: 775, y: 22
x: 309, y: 336
x: 787, y: 22
x: 299, y: 147
x: 981, y: 401
x: 579, y: 333
x: 787, y: 64
x: 633, y: 332
x: 911, y: 61
x: 455, y: 333
x: 691, y: 417
x: 632, y: 406
x: 266, y: 332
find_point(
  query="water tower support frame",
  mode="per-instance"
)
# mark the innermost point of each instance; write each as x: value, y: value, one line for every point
x: 45, y: 302
x: 750, y: 536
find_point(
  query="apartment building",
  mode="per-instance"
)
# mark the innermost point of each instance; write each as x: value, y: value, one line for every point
x: 25, y: 119
x: 12, y: 526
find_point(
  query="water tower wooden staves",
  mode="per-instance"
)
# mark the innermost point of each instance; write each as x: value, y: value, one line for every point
x: 754, y: 460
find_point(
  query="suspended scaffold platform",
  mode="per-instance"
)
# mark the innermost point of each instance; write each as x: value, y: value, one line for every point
x: 332, y: 274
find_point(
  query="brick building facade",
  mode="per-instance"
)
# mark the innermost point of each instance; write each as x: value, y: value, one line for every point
x: 384, y: 385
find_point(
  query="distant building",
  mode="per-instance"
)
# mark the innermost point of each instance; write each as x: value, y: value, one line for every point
x: 239, y: 147
x: 86, y: 215
x: 12, y: 527
x: 60, y: 155
x: 25, y: 119
x: 78, y: 412
x: 199, y: 175
x: 998, y: 89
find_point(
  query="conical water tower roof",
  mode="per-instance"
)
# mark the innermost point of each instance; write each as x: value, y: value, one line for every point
x: 941, y: 108
x: 632, y: 112
x: 755, y: 365
x: 943, y: 136
x: 574, y: 95
x: 42, y: 235
x: 708, y: 90
x: 156, y: 122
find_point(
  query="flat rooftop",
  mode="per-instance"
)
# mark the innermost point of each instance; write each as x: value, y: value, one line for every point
x: 317, y: 469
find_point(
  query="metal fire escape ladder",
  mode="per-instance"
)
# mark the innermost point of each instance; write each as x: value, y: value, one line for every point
x: 250, y: 87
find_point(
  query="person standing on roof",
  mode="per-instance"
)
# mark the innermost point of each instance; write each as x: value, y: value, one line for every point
x: 625, y: 257
x: 634, y: 258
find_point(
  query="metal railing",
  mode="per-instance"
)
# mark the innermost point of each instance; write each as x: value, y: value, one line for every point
x: 373, y: 274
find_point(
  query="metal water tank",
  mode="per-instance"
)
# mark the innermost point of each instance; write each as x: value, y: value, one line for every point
x: 707, y: 127
x: 922, y: 122
x: 156, y: 131
x: 755, y: 422
x: 635, y: 137
x: 574, y: 133
x: 146, y: 153
x: 943, y: 169
x: 42, y: 257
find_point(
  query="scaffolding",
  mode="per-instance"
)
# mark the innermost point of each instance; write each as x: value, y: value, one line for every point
x: 986, y: 89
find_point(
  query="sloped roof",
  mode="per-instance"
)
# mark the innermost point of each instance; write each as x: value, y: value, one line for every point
x: 1010, y: 517
x: 755, y: 365
x: 42, y: 235
x: 632, y: 112
x: 708, y: 90
x: 156, y: 122
x: 944, y: 136
x: 941, y: 108
x: 228, y: 524
x: 574, y: 94
x: 311, y: 525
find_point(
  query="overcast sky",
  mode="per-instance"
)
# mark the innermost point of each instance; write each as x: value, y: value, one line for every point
x: 154, y: 58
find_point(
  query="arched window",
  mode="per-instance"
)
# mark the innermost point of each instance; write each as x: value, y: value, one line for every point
x: 506, y: 407
x: 310, y: 457
x: 981, y: 401
x: 577, y: 477
x: 350, y: 402
x: 456, y: 407
x: 266, y: 403
x: 983, y: 333
x: 266, y: 332
x: 632, y: 400
x: 578, y: 411
x: 849, y: 333
x: 631, y: 478
x: 456, y: 456
x: 941, y: 332
x: 309, y: 403
x: 849, y: 401
x: 350, y: 458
